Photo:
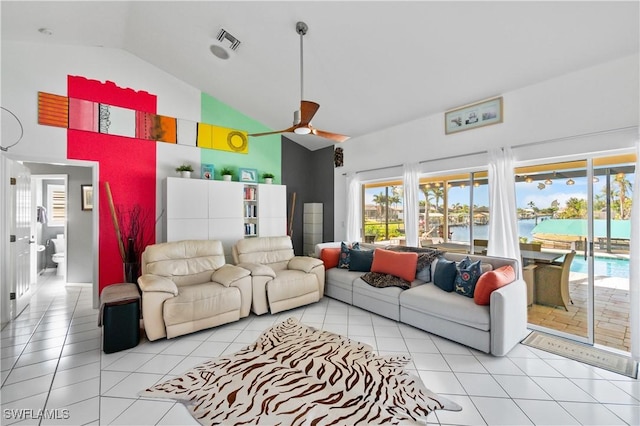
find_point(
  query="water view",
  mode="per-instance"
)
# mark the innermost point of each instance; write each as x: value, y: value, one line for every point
x: 603, y: 266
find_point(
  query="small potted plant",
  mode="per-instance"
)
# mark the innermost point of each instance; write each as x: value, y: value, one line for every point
x: 185, y: 170
x: 268, y: 178
x: 226, y: 173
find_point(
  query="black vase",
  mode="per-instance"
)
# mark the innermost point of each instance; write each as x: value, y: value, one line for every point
x: 131, y: 272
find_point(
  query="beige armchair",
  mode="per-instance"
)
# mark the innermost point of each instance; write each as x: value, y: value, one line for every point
x: 280, y: 280
x: 552, y: 283
x: 187, y: 287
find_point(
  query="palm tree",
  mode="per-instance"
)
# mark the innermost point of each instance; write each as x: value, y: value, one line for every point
x: 624, y: 187
x: 576, y: 208
x: 380, y: 200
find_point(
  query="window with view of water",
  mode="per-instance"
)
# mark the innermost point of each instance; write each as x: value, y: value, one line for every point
x: 463, y: 200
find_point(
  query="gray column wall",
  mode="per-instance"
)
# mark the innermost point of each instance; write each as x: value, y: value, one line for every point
x: 310, y: 175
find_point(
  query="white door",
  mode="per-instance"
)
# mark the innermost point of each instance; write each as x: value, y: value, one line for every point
x: 21, y: 240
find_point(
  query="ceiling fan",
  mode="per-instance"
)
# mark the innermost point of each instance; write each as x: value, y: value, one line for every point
x: 302, y: 117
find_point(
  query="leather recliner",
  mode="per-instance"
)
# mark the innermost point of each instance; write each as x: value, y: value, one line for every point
x: 186, y: 287
x: 280, y: 280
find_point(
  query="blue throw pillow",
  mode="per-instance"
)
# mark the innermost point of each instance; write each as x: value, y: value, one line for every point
x: 361, y: 260
x: 345, y: 255
x: 467, y: 277
x: 445, y: 274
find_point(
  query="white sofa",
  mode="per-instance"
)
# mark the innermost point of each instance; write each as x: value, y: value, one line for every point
x: 494, y: 329
x: 187, y: 287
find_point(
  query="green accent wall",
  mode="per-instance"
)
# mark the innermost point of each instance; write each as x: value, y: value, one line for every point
x: 265, y: 152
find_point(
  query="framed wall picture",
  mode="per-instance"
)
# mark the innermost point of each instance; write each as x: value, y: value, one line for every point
x: 248, y: 175
x: 86, y: 197
x: 479, y: 114
x: 207, y: 171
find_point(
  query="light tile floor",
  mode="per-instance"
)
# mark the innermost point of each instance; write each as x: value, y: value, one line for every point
x: 52, y: 360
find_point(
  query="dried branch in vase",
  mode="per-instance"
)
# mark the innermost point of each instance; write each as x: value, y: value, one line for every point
x: 134, y: 225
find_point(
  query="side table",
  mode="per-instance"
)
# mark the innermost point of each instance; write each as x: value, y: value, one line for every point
x: 120, y: 317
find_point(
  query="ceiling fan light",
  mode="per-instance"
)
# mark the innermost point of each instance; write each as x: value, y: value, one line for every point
x: 302, y: 130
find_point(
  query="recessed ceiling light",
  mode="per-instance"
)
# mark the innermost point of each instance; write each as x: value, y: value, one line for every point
x: 219, y: 51
x: 45, y: 31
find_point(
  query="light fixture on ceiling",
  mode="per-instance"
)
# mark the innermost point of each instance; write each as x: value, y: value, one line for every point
x: 302, y: 130
x: 548, y: 182
x: 595, y: 179
x: 302, y: 117
x: 476, y: 184
x: 226, y: 43
x: 541, y: 186
x: 528, y: 179
x: 570, y: 182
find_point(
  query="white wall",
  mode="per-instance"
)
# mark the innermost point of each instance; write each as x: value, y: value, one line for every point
x: 596, y: 99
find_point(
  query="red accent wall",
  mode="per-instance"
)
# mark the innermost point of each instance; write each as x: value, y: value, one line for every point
x: 129, y: 165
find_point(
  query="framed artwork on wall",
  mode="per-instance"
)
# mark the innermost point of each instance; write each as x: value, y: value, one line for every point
x: 86, y: 197
x: 479, y: 114
x: 248, y: 175
x: 207, y: 171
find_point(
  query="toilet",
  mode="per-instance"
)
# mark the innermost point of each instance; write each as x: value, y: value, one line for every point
x: 59, y: 254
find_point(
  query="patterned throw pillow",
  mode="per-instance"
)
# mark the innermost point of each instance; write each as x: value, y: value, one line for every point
x: 345, y: 255
x: 467, y: 277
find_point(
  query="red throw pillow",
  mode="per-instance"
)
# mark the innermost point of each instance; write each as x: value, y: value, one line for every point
x: 399, y: 264
x: 490, y: 281
x: 330, y: 257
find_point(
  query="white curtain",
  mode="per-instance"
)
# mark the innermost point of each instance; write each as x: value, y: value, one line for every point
x: 634, y: 266
x: 503, y: 224
x: 411, y: 207
x: 354, y: 222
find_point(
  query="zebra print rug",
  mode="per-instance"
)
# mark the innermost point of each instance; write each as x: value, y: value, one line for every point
x: 295, y: 375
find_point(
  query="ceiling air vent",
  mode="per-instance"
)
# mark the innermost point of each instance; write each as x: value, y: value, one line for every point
x: 226, y: 41
x: 224, y: 35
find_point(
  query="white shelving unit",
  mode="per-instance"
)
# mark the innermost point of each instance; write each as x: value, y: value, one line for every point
x: 250, y: 199
x: 198, y: 209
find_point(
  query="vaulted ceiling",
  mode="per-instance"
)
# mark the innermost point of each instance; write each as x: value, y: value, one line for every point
x: 370, y: 65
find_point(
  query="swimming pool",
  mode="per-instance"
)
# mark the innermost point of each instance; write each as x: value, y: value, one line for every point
x: 603, y: 266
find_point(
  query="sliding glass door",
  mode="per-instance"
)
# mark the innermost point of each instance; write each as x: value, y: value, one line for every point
x: 574, y: 230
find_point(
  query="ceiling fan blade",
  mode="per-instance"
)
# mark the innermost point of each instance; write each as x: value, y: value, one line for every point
x: 307, y: 110
x: 328, y: 135
x: 290, y: 129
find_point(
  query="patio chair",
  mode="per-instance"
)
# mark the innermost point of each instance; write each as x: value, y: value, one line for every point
x: 531, y: 246
x: 480, y: 246
x: 552, y: 282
